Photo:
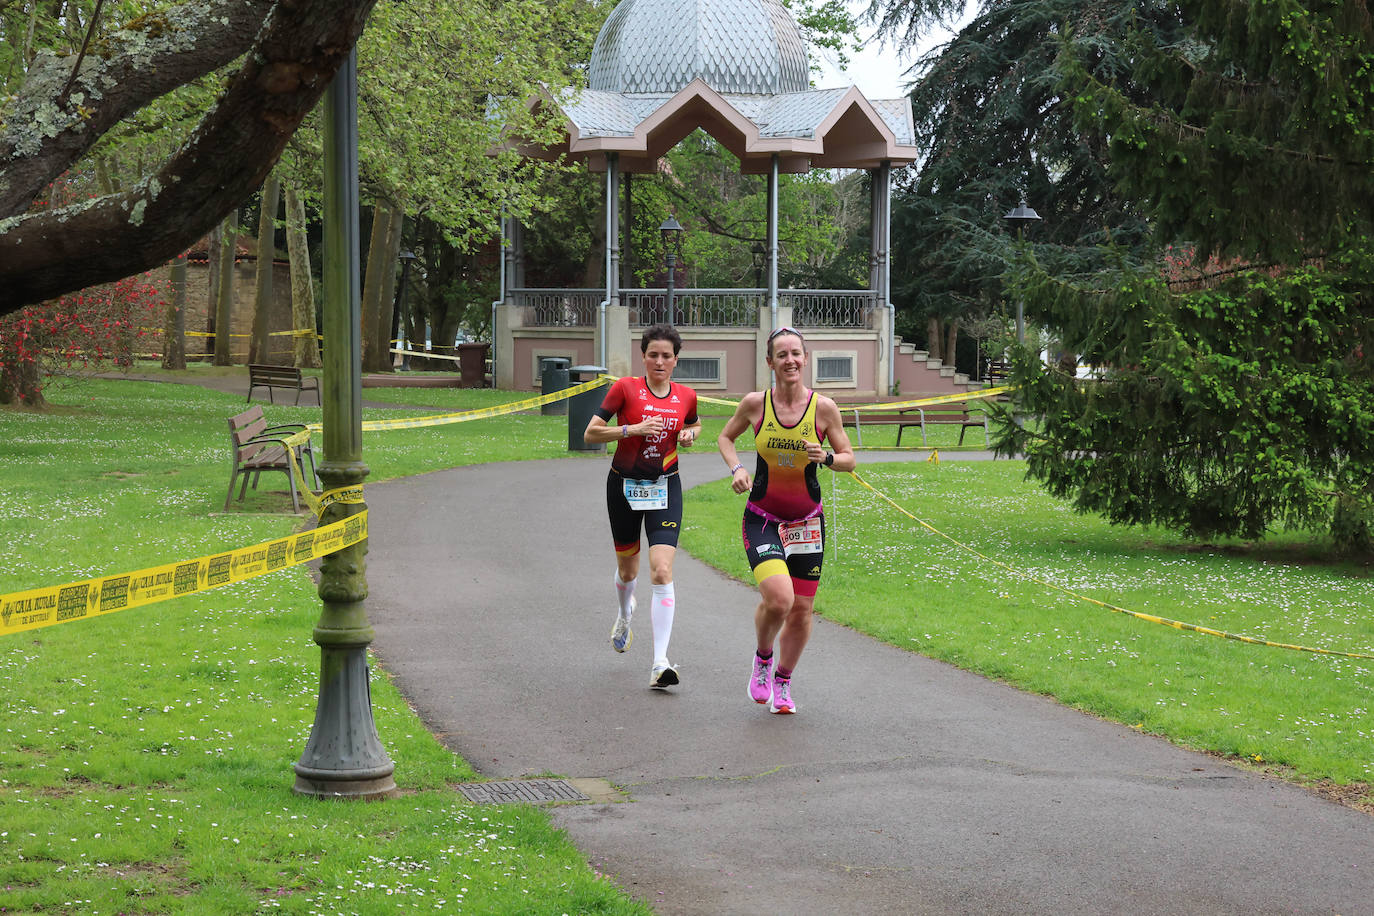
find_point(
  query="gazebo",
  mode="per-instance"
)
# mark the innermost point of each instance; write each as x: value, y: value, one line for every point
x: 737, y: 69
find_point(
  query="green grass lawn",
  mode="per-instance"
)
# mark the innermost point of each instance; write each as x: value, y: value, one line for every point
x: 146, y: 765
x: 147, y: 757
x: 971, y: 603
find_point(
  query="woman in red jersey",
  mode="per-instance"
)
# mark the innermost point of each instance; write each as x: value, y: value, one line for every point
x: 784, y: 521
x: 654, y: 416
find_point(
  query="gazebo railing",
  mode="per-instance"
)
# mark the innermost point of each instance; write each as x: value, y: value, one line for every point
x: 560, y: 308
x: 828, y: 308
x: 703, y: 308
x: 695, y: 308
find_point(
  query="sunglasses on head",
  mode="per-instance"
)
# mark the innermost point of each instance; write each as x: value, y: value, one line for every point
x: 786, y: 330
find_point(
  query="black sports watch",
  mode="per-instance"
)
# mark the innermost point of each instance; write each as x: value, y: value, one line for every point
x: 829, y: 458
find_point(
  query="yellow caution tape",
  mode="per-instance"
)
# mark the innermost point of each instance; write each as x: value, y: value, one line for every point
x: 978, y: 395
x: 317, y: 503
x: 89, y: 598
x: 483, y: 413
x: 1150, y: 618
x: 300, y: 332
x: 42, y: 607
x: 424, y: 353
x: 934, y: 456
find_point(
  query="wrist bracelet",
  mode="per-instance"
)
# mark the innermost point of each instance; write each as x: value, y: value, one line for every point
x: 625, y: 431
x: 738, y: 467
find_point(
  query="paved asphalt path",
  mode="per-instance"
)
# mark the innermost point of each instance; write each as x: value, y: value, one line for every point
x: 902, y: 785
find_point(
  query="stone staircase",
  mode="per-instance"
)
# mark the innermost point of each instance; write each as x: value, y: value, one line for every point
x: 917, y: 374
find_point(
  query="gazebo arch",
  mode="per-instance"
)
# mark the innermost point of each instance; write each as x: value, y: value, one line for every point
x: 738, y: 70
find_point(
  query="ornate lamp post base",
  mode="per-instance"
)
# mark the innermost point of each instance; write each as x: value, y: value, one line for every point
x: 344, y: 758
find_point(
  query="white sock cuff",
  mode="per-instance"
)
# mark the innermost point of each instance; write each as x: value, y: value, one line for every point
x: 625, y: 593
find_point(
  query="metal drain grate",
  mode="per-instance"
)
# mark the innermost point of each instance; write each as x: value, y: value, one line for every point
x: 525, y: 790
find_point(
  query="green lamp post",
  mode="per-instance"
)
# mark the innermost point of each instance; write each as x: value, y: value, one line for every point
x: 344, y: 757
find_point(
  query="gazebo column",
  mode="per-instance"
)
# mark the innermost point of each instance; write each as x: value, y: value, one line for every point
x: 515, y: 275
x: 613, y: 318
x: 773, y: 242
x: 627, y: 260
x: 875, y: 233
x: 770, y: 322
x: 880, y: 273
x: 613, y: 228
x: 506, y: 314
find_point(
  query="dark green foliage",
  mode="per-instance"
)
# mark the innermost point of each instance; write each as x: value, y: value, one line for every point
x: 1241, y: 397
x: 1252, y: 137
x: 1223, y: 411
x: 995, y: 129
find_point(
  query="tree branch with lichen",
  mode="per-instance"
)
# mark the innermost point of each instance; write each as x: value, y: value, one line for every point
x: 60, y: 113
x: 289, y: 65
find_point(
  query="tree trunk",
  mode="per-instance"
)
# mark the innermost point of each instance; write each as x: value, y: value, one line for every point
x: 123, y: 342
x: 262, y: 289
x: 21, y: 383
x: 307, y: 348
x: 224, y: 296
x: 381, y: 276
x: 212, y: 287
x: 934, y: 343
x: 174, y: 327
x: 951, y: 338
x: 386, y: 314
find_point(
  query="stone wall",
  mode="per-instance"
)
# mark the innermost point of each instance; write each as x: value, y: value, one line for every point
x: 279, y: 348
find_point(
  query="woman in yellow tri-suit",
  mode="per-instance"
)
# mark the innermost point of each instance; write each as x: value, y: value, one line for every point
x: 784, y: 519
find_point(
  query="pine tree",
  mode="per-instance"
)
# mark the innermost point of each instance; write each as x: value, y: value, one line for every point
x: 995, y: 128
x: 1237, y: 391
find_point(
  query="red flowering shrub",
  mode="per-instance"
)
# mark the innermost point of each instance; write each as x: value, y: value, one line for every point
x: 79, y: 334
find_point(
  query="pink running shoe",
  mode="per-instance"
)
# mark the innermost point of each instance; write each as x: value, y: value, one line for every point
x: 759, y: 688
x: 782, y: 704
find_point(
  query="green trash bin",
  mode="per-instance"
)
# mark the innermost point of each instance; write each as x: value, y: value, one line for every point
x: 553, y: 376
x: 582, y: 407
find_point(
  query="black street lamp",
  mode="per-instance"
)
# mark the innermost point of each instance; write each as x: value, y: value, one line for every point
x: 672, y: 247
x: 407, y: 258
x: 1021, y: 218
x: 758, y: 251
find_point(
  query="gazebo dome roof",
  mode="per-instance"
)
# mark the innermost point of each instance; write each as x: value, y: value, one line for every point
x: 746, y: 47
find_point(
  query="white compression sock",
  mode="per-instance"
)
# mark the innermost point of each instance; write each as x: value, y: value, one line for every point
x: 663, y: 621
x: 625, y: 594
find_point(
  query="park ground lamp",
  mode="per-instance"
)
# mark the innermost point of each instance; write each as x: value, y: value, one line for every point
x: 757, y: 251
x: 1020, y: 219
x: 671, y: 231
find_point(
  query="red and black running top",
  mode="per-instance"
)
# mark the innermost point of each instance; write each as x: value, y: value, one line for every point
x: 631, y: 401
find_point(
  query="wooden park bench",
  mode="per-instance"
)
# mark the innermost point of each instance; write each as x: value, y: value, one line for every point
x: 258, y: 447
x: 901, y: 419
x: 998, y: 371
x: 269, y: 377
x: 957, y: 412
